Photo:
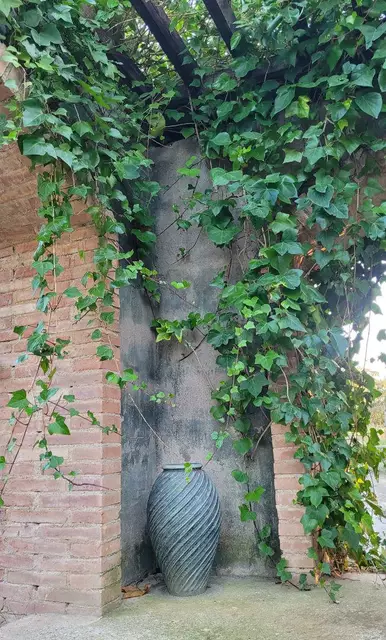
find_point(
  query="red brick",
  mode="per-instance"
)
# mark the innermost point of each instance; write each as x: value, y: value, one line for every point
x: 291, y: 529
x: 45, y: 525
x: 86, y: 517
x: 284, y: 453
x: 5, y: 299
x: 112, y: 576
x: 49, y: 607
x: 287, y: 482
x: 110, y: 561
x: 53, y: 548
x: 83, y: 550
x: 285, y: 498
x: 277, y: 429
x: 92, y: 598
x: 37, y: 578
x: 34, y: 515
x: 70, y: 565
x: 91, y: 533
x: 288, y: 466
x: 84, y: 581
x: 111, y: 530
x: 111, y: 594
x: 291, y: 544
x: 290, y: 513
x: 16, y: 561
x: 22, y: 608
x: 299, y: 561
x: 16, y: 592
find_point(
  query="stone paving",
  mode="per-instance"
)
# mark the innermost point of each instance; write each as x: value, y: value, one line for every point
x: 231, y: 609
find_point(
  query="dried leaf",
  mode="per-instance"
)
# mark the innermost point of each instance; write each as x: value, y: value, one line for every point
x: 131, y: 591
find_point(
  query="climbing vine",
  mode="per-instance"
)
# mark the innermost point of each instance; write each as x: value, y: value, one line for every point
x: 292, y: 126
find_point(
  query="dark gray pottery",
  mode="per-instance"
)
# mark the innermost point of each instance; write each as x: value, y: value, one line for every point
x: 184, y: 527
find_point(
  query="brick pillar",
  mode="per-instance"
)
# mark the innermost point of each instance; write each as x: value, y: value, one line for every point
x: 287, y: 470
x: 59, y: 550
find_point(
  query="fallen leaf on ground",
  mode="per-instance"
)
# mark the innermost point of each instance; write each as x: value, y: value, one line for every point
x: 131, y: 591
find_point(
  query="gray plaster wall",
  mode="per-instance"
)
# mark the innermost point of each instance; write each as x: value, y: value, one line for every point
x: 182, y: 433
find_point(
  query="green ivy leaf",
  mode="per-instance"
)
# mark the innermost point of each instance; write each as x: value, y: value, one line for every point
x: 7, y: 5
x: 316, y: 495
x: 58, y: 427
x: 284, y: 97
x: 255, y: 384
x: 222, y: 139
x: 235, y: 39
x: 219, y: 177
x: 72, y: 292
x: 224, y: 82
x: 370, y: 103
x: 222, y: 236
x: 266, y: 360
x: 243, y: 445
x: 363, y: 76
x: 282, y: 572
x: 333, y: 56
x: 33, y: 113
x: 81, y: 128
x: 338, y: 209
x: 319, y: 198
x: 326, y: 539
x: 292, y: 278
x: 265, y: 550
x: 255, y: 495
x: 20, y: 329
x: 49, y: 34
x: 246, y: 515
x: 291, y: 155
x: 331, y: 478
x: 242, y: 425
x: 242, y: 65
x: 382, y: 80
x: 311, y: 553
x: 309, y: 523
x: 240, y: 476
x: 18, y: 399
x: 180, y: 285
x: 282, y: 222
x: 104, y: 352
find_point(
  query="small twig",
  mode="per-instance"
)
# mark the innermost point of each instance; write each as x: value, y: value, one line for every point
x: 193, y: 350
x: 200, y: 364
x: 261, y: 436
x: 188, y: 250
x: 286, y: 383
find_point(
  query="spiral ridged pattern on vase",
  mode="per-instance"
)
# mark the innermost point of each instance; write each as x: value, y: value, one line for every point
x: 184, y: 527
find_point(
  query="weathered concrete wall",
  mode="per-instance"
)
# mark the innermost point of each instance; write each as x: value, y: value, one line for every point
x: 184, y: 432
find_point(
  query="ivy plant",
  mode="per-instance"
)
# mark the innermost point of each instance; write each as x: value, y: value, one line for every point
x: 291, y: 124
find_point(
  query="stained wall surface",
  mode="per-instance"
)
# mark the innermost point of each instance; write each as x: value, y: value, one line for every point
x: 183, y: 433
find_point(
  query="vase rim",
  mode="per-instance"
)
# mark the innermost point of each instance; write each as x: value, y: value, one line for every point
x: 181, y: 467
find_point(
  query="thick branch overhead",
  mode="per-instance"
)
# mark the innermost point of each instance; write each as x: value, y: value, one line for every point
x: 170, y: 42
x: 222, y: 15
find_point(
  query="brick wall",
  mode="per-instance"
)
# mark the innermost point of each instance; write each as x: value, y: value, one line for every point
x: 59, y: 550
x: 287, y: 471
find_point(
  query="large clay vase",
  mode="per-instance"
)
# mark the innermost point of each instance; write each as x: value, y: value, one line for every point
x: 184, y: 527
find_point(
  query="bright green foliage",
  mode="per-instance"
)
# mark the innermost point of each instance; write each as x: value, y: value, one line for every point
x: 293, y: 128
